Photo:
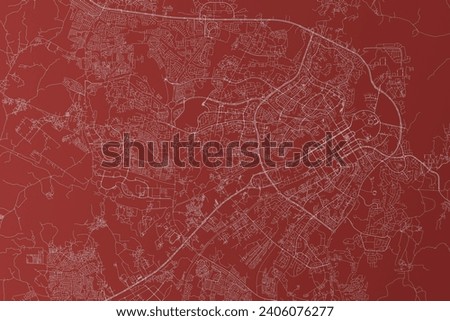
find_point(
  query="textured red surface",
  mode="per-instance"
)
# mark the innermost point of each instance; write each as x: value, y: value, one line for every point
x: 77, y: 74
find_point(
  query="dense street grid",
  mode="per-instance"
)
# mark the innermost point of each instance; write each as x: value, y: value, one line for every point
x: 224, y: 150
